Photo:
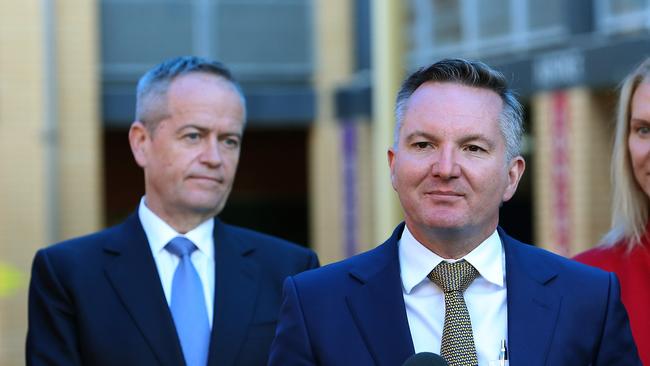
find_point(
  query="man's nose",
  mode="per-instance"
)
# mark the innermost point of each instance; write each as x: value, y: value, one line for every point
x: 211, y: 153
x: 446, y: 164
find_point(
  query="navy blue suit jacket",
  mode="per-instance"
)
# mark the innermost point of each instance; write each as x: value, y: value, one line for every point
x: 97, y: 300
x: 352, y: 312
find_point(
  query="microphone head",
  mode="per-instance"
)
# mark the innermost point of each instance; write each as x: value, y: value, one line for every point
x: 425, y: 359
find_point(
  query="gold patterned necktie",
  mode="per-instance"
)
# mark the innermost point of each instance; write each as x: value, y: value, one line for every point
x: 457, y: 346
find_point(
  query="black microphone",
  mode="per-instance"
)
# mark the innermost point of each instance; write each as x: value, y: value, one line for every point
x: 425, y: 359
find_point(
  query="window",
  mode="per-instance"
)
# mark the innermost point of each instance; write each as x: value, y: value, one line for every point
x: 616, y: 16
x: 619, y: 7
x: 446, y: 22
x: 493, y: 18
x: 478, y: 28
x: 543, y: 14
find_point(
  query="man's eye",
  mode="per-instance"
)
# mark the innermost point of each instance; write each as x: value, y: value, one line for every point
x: 192, y: 136
x: 422, y: 145
x: 475, y: 148
x: 231, y: 142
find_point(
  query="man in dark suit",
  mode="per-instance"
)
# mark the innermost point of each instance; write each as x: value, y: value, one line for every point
x: 449, y: 280
x: 172, y: 284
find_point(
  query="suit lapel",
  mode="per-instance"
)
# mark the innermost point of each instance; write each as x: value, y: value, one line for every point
x: 236, y: 288
x: 533, y: 306
x: 378, y: 305
x: 132, y: 272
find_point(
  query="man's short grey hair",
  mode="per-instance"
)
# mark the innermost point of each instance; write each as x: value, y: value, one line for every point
x: 470, y: 73
x: 151, y: 106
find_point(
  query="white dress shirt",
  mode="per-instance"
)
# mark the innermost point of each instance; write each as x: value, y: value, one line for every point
x: 485, y: 297
x: 159, y: 234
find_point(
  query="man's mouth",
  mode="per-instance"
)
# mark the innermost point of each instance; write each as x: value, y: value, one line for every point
x: 207, y: 178
x: 444, y: 193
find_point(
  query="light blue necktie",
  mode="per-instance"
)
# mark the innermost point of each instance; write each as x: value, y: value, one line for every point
x: 188, y: 305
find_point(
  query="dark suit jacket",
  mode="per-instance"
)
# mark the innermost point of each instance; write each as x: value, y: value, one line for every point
x: 97, y: 300
x: 352, y: 312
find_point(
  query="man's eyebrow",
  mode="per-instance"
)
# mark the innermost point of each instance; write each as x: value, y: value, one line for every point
x: 191, y: 125
x: 464, y: 139
x: 203, y: 129
x: 231, y: 134
x: 478, y: 137
x: 418, y: 133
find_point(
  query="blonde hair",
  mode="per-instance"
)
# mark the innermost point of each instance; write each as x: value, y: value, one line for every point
x: 630, y: 207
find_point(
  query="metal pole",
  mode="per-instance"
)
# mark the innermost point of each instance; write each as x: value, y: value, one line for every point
x: 50, y: 123
x: 388, y: 55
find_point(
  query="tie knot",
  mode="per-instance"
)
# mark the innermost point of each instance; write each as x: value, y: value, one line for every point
x: 180, y: 246
x: 453, y: 276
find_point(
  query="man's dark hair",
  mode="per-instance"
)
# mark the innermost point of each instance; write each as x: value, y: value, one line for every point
x: 470, y: 73
x: 154, y: 84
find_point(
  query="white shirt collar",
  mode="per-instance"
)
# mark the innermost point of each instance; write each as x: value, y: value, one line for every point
x: 416, y: 261
x: 159, y: 233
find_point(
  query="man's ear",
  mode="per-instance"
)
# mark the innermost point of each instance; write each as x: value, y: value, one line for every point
x: 391, y: 164
x: 515, y: 171
x: 139, y: 139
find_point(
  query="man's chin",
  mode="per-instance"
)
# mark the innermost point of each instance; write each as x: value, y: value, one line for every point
x: 206, y: 206
x: 444, y: 223
x: 444, y: 218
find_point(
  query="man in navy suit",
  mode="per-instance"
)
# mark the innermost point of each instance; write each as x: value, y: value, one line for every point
x: 449, y: 280
x: 171, y: 285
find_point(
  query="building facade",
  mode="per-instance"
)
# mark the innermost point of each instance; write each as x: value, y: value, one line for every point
x: 320, y: 78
